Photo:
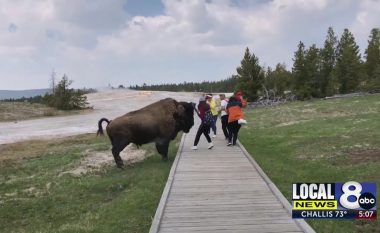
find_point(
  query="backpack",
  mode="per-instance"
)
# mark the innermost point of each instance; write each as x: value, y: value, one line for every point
x: 208, y: 119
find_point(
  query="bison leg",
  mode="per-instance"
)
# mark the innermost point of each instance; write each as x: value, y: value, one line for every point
x: 116, y: 149
x: 163, y: 148
x: 116, y: 156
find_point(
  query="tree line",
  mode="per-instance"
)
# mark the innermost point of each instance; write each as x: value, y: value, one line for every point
x: 336, y: 68
x: 32, y: 100
x: 225, y: 85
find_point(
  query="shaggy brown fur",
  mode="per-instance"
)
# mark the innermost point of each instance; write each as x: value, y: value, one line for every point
x: 159, y: 122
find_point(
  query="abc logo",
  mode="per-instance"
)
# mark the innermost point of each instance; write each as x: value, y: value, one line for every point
x: 362, y: 200
x: 367, y: 201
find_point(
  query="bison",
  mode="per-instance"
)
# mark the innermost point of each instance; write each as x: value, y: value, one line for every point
x: 159, y: 122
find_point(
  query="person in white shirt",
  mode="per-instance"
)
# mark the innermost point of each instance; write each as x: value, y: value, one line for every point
x: 223, y: 114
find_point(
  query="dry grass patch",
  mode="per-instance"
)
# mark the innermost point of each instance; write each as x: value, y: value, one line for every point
x: 19, y: 151
x: 290, y: 123
x: 362, y: 156
x: 17, y: 111
x: 95, y: 161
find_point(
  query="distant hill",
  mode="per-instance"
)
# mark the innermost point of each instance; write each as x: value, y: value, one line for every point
x: 13, y: 94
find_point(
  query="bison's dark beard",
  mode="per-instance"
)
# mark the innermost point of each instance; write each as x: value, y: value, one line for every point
x: 187, y: 120
x: 187, y: 124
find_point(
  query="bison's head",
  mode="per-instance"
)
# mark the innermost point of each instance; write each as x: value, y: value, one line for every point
x: 184, y: 116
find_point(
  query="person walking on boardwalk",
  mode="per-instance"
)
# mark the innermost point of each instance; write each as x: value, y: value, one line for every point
x: 214, y: 110
x: 205, y: 115
x: 235, y: 118
x: 239, y: 96
x: 223, y: 114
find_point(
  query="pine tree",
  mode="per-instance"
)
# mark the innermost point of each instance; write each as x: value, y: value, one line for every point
x: 250, y: 76
x: 328, y: 84
x: 278, y: 80
x: 62, y: 94
x: 372, y: 64
x: 349, y: 64
x: 52, y: 81
x: 66, y: 98
x: 312, y: 80
x: 299, y: 82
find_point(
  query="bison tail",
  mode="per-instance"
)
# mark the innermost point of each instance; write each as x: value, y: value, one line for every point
x: 100, y: 128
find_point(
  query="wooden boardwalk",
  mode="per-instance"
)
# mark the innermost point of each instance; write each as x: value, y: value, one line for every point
x: 221, y: 190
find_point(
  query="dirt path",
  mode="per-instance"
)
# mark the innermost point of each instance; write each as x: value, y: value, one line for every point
x: 106, y: 103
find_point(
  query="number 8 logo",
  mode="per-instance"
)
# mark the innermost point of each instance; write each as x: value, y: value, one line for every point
x: 347, y: 192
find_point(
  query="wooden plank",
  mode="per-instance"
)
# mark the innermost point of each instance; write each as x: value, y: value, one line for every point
x: 221, y: 194
x: 255, y: 219
x: 213, y: 176
x: 234, y: 231
x: 210, y: 219
x: 219, y: 181
x: 210, y: 185
x: 223, y: 200
x: 225, y: 166
x: 224, y: 206
x: 218, y: 189
x: 218, y: 222
x: 229, y: 231
x: 211, y: 204
x: 257, y: 228
x: 205, y: 178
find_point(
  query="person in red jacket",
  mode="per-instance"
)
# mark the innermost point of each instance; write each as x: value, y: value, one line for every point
x: 235, y: 118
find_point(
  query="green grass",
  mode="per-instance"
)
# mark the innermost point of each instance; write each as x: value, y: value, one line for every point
x: 318, y: 141
x: 34, y: 197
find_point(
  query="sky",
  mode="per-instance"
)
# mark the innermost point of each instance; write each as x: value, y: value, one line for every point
x: 101, y: 42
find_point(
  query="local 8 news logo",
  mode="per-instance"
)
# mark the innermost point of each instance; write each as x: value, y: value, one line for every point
x: 353, y: 198
x: 350, y: 200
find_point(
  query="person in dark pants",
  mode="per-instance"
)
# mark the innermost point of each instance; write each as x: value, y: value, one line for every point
x: 214, y: 110
x: 235, y: 113
x: 204, y: 128
x: 223, y: 114
x: 233, y: 129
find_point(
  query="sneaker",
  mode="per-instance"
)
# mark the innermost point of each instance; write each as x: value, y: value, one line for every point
x: 229, y: 144
x: 210, y: 145
x: 242, y: 121
x: 194, y: 148
x: 214, y: 136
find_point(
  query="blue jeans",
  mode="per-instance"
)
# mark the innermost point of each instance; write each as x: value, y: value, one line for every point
x: 213, y: 125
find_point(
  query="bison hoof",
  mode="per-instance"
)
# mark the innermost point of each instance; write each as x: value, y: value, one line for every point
x: 120, y: 165
x: 165, y: 159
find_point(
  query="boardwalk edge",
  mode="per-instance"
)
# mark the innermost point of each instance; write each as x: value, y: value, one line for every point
x: 161, y: 206
x: 300, y: 222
